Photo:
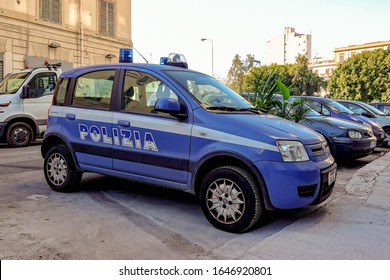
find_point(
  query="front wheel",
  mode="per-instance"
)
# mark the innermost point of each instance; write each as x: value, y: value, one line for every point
x: 19, y: 134
x: 230, y: 199
x: 386, y: 141
x: 60, y: 170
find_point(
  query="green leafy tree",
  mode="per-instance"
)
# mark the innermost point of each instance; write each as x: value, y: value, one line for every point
x: 297, y: 77
x: 257, y: 79
x: 237, y: 72
x: 304, y: 80
x: 364, y: 77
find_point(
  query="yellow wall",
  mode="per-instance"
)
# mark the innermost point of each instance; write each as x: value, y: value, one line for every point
x: 24, y: 35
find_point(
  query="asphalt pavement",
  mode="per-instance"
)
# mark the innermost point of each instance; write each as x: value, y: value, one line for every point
x: 108, y: 219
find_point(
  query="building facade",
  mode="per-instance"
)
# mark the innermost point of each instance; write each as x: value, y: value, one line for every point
x: 322, y: 67
x: 343, y: 53
x: 73, y: 32
x: 325, y: 67
x: 285, y: 48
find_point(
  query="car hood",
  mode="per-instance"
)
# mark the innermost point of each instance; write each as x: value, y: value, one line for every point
x: 6, y: 98
x: 265, y: 128
x: 330, y: 125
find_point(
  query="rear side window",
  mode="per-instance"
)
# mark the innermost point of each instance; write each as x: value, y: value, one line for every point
x: 94, y: 90
x: 60, y: 92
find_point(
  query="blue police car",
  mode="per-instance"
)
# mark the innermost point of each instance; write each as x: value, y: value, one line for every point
x: 181, y: 129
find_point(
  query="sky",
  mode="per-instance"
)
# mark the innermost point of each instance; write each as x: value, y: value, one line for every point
x: 242, y: 27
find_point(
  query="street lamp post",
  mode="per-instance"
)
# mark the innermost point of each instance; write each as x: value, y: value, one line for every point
x: 212, y: 54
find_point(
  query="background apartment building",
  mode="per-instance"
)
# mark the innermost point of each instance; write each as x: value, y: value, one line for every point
x: 343, y: 53
x: 283, y: 49
x: 325, y: 67
x: 73, y: 32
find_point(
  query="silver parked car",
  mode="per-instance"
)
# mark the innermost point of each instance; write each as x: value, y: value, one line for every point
x: 369, y: 111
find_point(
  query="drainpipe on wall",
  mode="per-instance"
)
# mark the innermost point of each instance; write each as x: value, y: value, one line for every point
x: 81, y: 33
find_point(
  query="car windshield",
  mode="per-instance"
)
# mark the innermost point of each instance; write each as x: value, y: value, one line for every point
x: 12, y: 82
x: 338, y: 108
x: 210, y: 93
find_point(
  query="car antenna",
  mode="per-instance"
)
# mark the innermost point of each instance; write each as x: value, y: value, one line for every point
x: 141, y: 55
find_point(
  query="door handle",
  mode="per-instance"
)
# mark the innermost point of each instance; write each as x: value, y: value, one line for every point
x: 70, y: 116
x: 124, y: 123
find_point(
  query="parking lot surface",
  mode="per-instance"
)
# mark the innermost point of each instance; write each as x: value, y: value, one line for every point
x: 117, y: 219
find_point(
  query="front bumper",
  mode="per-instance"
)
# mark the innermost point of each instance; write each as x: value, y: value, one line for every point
x: 295, y: 185
x: 353, y: 147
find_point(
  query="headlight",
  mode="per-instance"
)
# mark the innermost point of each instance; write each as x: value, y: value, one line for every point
x: 292, y: 151
x: 355, y: 134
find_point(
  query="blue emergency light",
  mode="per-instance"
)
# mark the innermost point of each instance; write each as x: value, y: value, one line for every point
x: 126, y: 55
x: 163, y: 60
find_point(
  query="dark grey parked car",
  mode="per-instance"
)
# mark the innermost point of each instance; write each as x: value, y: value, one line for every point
x: 346, y: 139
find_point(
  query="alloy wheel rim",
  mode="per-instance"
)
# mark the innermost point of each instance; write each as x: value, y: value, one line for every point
x: 225, y: 201
x: 57, y: 169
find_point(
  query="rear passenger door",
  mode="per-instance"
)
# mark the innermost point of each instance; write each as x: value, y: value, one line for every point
x: 150, y: 145
x: 87, y: 122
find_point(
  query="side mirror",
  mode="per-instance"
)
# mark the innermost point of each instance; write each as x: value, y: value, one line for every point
x: 25, y: 92
x: 169, y: 106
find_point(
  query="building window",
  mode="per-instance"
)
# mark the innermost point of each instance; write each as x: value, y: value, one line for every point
x: 1, y: 67
x: 107, y: 18
x: 50, y: 10
x: 341, y: 57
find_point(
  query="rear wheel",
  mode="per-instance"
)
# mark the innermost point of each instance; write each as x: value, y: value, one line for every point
x: 19, y: 134
x: 230, y: 199
x: 60, y: 170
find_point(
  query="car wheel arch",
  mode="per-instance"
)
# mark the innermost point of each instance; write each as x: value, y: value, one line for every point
x: 220, y: 160
x: 50, y: 141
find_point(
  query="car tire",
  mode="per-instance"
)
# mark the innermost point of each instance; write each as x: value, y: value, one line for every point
x: 386, y: 141
x: 19, y: 134
x: 230, y: 199
x: 60, y: 170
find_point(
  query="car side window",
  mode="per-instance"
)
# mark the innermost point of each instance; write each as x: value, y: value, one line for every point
x: 318, y: 107
x: 141, y: 91
x: 386, y: 109
x: 42, y: 84
x: 94, y: 90
x: 61, y: 92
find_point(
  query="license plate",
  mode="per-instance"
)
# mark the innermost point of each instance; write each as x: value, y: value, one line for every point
x: 332, y: 176
x: 373, y: 144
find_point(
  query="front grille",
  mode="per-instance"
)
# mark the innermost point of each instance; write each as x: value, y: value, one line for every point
x: 319, y: 149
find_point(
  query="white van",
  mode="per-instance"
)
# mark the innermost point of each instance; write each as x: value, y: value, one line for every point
x: 25, y: 98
